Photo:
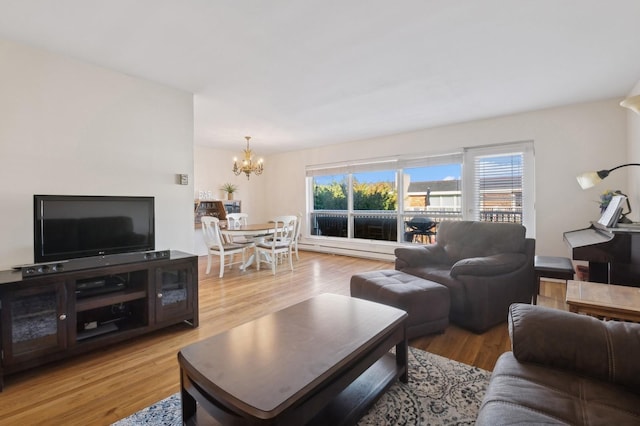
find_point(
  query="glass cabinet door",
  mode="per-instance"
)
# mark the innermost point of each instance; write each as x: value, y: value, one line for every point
x: 36, y: 322
x: 174, y: 291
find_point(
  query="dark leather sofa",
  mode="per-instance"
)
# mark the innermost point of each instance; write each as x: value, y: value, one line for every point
x: 486, y: 266
x: 565, y: 368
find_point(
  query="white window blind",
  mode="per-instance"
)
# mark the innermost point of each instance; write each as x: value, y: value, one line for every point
x: 432, y: 160
x: 500, y: 180
x: 381, y: 164
x: 351, y: 167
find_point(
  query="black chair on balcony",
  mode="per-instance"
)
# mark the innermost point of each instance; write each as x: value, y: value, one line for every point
x: 420, y: 227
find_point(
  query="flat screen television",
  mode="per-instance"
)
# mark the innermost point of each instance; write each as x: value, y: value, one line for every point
x: 74, y: 226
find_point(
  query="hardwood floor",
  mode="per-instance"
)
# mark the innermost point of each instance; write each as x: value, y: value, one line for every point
x: 104, y: 386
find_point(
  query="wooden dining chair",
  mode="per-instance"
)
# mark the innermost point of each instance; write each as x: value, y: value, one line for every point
x: 216, y: 245
x: 270, y: 250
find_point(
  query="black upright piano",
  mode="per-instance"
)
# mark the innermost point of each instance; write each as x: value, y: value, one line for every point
x: 613, y: 253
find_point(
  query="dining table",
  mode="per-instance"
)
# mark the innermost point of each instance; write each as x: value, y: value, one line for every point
x: 253, y: 231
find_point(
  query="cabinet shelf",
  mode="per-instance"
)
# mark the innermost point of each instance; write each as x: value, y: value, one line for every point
x: 98, y: 331
x: 216, y: 208
x: 109, y: 299
x: 209, y: 208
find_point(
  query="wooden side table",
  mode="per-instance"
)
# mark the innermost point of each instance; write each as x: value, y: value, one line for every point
x: 606, y: 301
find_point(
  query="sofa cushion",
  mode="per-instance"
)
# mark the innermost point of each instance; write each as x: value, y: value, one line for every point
x: 441, y: 275
x: 525, y: 393
x: 466, y: 239
x: 489, y: 265
x: 420, y: 256
x: 605, y: 350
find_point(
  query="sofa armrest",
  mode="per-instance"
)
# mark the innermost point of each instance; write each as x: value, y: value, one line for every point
x: 605, y: 350
x: 412, y: 256
x: 490, y: 265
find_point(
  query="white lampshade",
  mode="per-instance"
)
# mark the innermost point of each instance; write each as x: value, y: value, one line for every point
x: 588, y: 179
x: 633, y: 103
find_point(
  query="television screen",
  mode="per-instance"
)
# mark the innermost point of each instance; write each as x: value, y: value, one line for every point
x: 73, y: 226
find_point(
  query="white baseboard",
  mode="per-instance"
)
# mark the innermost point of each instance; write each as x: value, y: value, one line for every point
x: 364, y: 252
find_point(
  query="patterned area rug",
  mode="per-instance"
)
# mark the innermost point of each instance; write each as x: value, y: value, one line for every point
x: 439, y: 392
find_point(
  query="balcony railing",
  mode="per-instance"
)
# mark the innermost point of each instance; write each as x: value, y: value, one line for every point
x: 501, y: 216
x: 329, y: 224
x: 383, y: 226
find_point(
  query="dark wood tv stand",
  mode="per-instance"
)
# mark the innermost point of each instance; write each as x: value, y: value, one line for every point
x: 54, y: 316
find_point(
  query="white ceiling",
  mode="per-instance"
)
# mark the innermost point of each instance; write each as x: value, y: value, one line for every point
x: 296, y: 73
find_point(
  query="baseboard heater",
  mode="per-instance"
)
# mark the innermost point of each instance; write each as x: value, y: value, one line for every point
x: 367, y: 254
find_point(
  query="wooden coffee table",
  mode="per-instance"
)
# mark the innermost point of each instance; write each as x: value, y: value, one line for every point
x: 606, y: 301
x: 322, y: 361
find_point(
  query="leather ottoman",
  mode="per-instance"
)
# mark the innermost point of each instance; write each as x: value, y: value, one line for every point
x: 426, y: 302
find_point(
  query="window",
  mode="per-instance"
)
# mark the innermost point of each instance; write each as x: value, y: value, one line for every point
x: 500, y: 179
x: 434, y: 188
x: 375, y: 205
x: 394, y: 199
x: 330, y: 201
x: 433, y: 194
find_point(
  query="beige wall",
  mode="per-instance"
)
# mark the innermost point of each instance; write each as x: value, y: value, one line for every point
x: 567, y: 140
x: 212, y: 168
x: 67, y: 127
x: 633, y: 146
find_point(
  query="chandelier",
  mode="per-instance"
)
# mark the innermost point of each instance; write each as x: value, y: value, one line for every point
x: 248, y: 166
